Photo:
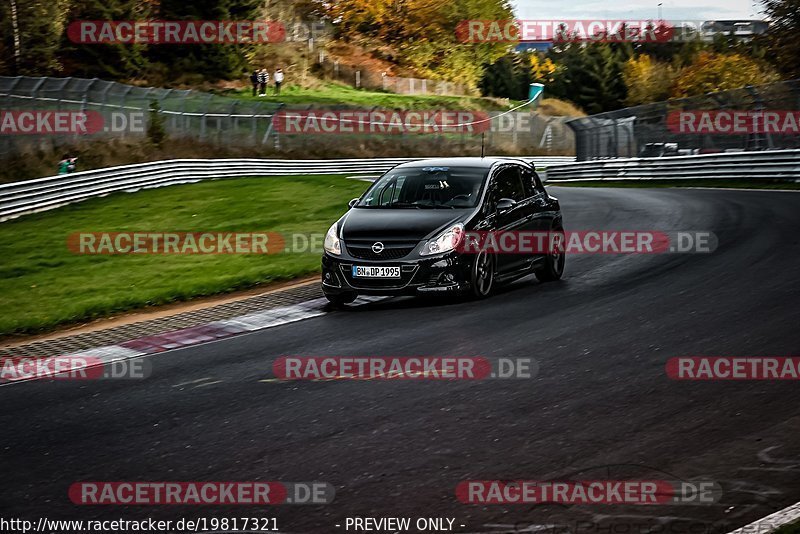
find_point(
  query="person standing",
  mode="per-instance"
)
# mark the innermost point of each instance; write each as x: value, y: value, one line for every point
x: 263, y: 80
x: 278, y: 81
x: 254, y: 81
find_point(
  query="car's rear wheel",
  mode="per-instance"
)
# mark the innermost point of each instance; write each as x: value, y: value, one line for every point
x: 482, y: 275
x: 553, y: 267
x: 339, y: 300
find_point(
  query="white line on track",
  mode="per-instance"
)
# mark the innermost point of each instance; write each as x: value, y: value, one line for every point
x: 189, y: 383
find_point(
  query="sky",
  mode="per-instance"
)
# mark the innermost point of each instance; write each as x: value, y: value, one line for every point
x: 638, y: 9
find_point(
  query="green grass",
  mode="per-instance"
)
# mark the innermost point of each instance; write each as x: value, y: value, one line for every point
x: 332, y: 94
x: 791, y: 528
x: 43, y: 284
x: 742, y: 184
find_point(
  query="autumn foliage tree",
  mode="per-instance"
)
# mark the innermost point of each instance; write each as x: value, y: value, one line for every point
x: 422, y: 33
x: 712, y: 72
x: 647, y: 80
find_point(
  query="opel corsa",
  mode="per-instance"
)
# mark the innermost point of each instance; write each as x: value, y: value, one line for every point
x: 403, y: 236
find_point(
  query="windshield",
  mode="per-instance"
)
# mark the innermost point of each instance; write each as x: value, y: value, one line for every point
x: 426, y: 187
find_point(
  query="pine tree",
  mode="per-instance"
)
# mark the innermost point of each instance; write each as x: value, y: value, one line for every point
x: 206, y: 61
x: 109, y: 61
x: 784, y: 35
x: 36, y: 39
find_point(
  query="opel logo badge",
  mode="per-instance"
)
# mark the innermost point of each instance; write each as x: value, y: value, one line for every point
x: 377, y: 248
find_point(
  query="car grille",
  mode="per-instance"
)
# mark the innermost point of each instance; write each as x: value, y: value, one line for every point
x: 388, y: 253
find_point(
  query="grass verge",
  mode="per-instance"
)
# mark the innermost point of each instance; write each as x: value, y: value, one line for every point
x: 741, y: 184
x: 44, y: 285
x: 334, y: 94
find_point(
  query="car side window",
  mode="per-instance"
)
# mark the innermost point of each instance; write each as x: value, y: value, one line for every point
x: 509, y: 184
x: 531, y: 182
x: 527, y: 182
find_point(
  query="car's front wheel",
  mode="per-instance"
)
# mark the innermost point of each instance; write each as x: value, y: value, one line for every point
x: 482, y: 275
x: 340, y: 299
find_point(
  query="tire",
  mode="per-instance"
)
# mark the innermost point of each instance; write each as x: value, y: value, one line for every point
x: 553, y: 267
x: 339, y: 300
x: 482, y: 275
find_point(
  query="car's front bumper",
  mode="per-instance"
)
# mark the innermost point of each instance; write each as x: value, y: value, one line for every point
x: 441, y: 274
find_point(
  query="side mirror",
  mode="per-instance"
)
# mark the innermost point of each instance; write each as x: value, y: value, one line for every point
x: 505, y: 204
x: 353, y: 202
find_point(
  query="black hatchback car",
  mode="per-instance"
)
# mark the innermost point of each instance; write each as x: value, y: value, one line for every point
x: 402, y: 236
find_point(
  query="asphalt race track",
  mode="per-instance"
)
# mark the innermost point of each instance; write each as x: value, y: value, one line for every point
x: 601, y: 405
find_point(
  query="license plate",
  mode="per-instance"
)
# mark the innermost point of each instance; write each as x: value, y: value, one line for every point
x: 361, y: 271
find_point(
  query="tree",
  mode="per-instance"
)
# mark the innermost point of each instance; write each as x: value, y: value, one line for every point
x: 720, y: 72
x: 504, y: 78
x: 647, y: 80
x: 156, y: 132
x: 590, y: 74
x: 542, y: 69
x: 34, y: 33
x: 207, y: 61
x: 116, y: 61
x: 783, y: 36
x: 422, y: 33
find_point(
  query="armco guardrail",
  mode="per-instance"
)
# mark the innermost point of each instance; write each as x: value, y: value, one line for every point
x: 42, y: 194
x: 775, y: 164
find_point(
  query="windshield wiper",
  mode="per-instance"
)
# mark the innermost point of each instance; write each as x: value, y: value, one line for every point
x: 402, y: 205
x: 435, y: 206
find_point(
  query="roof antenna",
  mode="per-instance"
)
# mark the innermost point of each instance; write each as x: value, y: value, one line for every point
x: 483, y: 135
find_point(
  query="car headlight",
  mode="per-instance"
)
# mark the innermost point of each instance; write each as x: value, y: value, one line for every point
x: 332, y: 244
x: 444, y: 242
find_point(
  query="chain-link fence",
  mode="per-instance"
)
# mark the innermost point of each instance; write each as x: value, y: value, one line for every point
x: 332, y: 69
x: 124, y: 110
x: 752, y: 118
x: 328, y: 68
x: 423, y: 86
x: 521, y: 132
x: 127, y: 111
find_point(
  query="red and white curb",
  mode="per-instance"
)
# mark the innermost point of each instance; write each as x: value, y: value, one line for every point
x: 197, y: 335
x: 772, y: 522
